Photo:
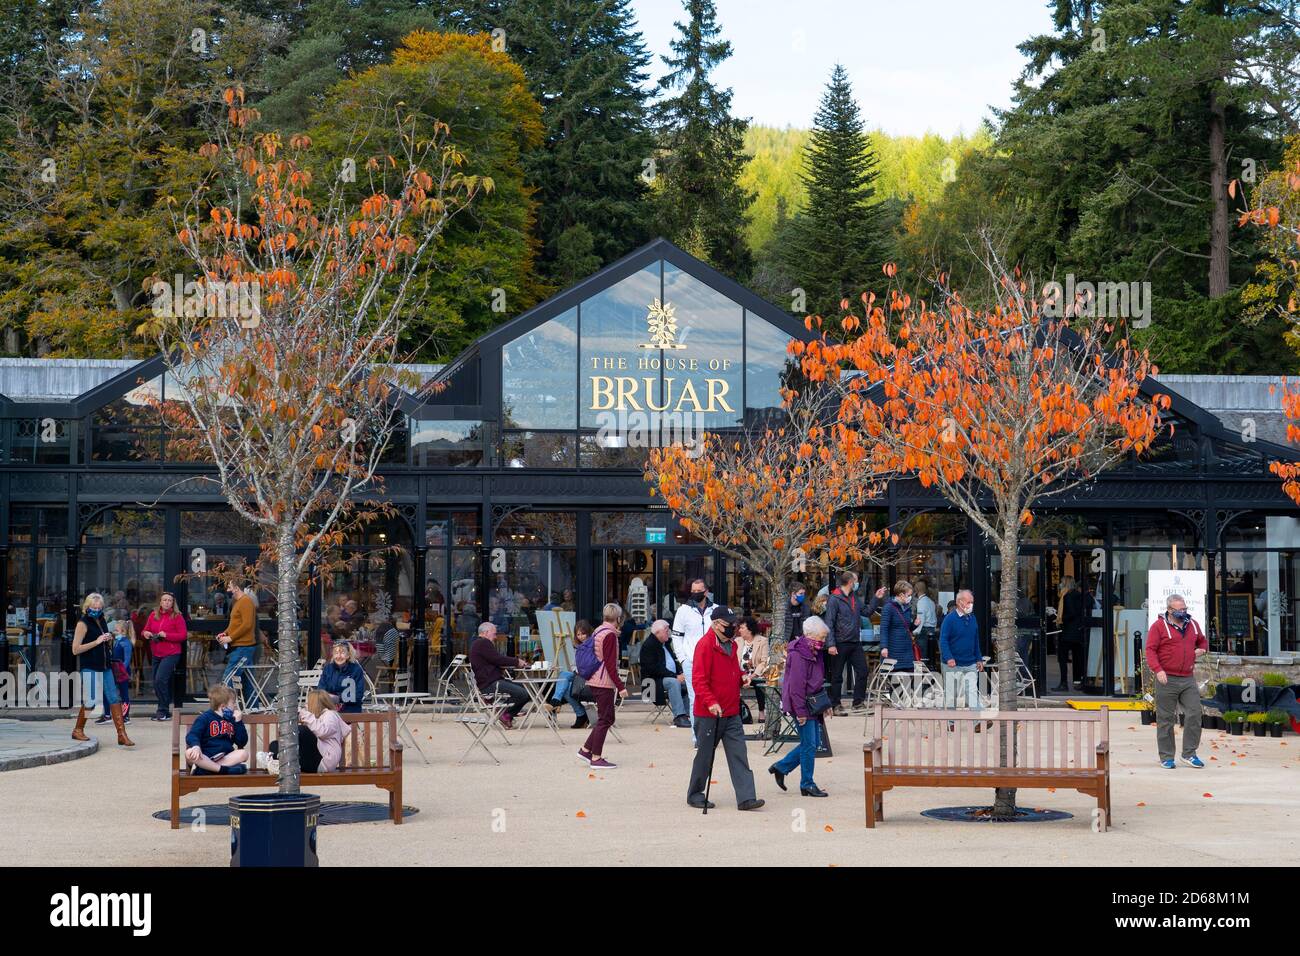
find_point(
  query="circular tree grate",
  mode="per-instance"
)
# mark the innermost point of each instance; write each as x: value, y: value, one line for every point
x: 985, y: 815
x: 351, y: 811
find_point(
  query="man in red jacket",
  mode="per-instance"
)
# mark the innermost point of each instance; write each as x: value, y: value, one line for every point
x: 1174, y: 643
x: 717, y: 678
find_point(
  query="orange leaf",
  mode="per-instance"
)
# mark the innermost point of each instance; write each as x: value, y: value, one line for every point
x: 1207, y: 795
x: 580, y: 815
x: 829, y: 828
x: 1141, y: 804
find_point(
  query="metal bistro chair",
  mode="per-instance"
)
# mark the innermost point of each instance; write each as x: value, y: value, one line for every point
x: 237, y: 685
x: 778, y: 726
x: 878, y: 690
x: 403, y: 700
x: 484, y: 715
x: 446, y: 690
x: 306, y: 681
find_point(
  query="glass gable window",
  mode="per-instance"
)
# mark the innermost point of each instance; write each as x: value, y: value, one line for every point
x: 538, y: 379
x: 616, y: 373
x: 129, y: 428
x: 39, y: 441
x: 655, y: 358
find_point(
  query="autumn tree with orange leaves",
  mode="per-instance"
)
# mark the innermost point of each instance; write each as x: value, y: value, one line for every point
x: 776, y: 495
x: 1275, y: 208
x: 280, y: 353
x: 998, y: 410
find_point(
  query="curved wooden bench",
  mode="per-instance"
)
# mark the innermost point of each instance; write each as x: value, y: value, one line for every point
x: 372, y: 756
x: 944, y: 748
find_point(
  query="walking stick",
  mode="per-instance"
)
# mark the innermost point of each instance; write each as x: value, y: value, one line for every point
x: 713, y: 753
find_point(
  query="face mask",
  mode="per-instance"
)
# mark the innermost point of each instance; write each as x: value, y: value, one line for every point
x: 1181, y: 616
x: 798, y: 598
x: 227, y: 713
x: 96, y: 612
x: 728, y: 631
x: 699, y: 597
x: 905, y: 601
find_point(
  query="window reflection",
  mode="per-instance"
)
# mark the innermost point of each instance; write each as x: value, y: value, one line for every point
x: 613, y: 327
x: 709, y: 325
x: 447, y: 444
x: 538, y: 378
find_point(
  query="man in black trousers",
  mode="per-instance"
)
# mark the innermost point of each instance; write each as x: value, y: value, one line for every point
x: 843, y: 617
x: 717, y: 677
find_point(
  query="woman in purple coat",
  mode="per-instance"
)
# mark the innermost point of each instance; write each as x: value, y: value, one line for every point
x: 805, y: 669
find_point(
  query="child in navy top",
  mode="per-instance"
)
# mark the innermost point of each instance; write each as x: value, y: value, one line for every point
x: 217, y: 737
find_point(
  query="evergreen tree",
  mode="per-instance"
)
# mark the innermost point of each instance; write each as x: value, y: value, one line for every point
x: 585, y: 63
x: 699, y: 202
x: 841, y: 238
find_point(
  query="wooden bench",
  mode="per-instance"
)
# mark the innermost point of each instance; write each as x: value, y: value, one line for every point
x: 1057, y: 748
x: 372, y: 755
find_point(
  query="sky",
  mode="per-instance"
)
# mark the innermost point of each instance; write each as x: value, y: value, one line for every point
x: 924, y: 65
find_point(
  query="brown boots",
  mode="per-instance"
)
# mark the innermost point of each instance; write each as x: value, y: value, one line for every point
x: 79, y: 731
x: 122, y: 739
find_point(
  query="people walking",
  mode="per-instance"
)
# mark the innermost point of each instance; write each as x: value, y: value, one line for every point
x: 1072, y: 618
x: 605, y: 683
x: 844, y: 641
x: 896, y: 626
x: 91, y: 643
x: 959, y: 652
x: 718, y: 680
x: 1174, y: 643
x: 805, y: 673
x: 926, y: 630
x: 690, y: 624
x: 166, y: 631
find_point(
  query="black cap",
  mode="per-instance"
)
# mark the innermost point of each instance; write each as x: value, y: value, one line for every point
x: 724, y: 614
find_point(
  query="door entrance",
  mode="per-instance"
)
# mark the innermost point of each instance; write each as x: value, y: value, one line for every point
x: 1043, y: 618
x: 648, y: 582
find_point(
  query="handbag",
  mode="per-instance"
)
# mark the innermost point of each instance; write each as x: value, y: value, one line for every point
x: 818, y: 703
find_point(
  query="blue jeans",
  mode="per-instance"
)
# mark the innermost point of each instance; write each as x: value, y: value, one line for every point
x: 97, y: 687
x: 805, y: 755
x: 562, y: 693
x: 238, y: 658
x: 677, y: 696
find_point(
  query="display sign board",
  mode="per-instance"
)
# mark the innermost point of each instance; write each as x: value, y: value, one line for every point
x: 1190, y: 584
x: 656, y: 535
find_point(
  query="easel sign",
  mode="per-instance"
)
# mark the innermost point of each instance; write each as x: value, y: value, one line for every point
x: 555, y: 631
x: 1192, y: 585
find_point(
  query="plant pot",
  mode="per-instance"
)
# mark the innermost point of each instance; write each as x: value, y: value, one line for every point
x: 1261, y: 730
x: 274, y: 829
x: 1148, y: 717
x: 1275, y: 730
x: 1236, y: 728
x: 1211, y: 722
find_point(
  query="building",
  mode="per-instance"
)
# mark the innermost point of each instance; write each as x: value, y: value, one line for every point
x: 509, y: 478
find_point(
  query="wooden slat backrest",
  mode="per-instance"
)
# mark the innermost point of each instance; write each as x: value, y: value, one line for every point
x: 1040, y: 740
x: 368, y: 746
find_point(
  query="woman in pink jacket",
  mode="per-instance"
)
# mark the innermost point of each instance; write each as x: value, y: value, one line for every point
x: 166, y: 632
x: 604, y: 685
x: 321, y: 732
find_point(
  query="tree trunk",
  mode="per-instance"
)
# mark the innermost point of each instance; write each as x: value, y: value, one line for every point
x: 1219, y: 254
x: 1004, y: 800
x: 286, y: 704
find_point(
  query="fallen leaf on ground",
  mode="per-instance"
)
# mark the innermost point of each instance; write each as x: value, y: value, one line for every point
x: 1141, y: 804
x: 580, y: 815
x: 591, y: 776
x: 1051, y: 790
x: 1207, y: 794
x: 829, y: 828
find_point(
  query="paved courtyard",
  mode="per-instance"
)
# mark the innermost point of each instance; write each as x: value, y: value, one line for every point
x: 542, y: 806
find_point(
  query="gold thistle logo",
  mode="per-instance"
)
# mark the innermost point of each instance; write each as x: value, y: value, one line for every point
x: 661, y: 321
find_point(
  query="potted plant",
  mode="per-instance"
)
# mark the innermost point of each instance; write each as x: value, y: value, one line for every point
x: 1235, y: 719
x: 1258, y: 723
x: 1274, y: 679
x: 1277, y: 721
x: 1211, y: 721
x: 1146, y: 710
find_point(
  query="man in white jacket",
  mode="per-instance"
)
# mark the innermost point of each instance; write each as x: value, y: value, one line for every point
x: 690, y: 623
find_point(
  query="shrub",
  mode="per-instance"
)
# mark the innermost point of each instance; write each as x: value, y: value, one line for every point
x: 1234, y: 716
x: 1235, y: 679
x: 1278, y: 717
x: 1257, y: 718
x: 1274, y: 679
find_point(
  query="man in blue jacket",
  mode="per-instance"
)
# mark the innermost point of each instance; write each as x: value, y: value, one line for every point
x: 959, y: 650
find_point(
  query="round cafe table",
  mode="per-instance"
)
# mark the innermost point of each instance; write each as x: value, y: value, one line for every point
x: 538, y: 682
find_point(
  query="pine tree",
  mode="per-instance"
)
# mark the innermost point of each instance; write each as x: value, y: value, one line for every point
x: 699, y: 202
x: 585, y: 63
x: 841, y: 238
